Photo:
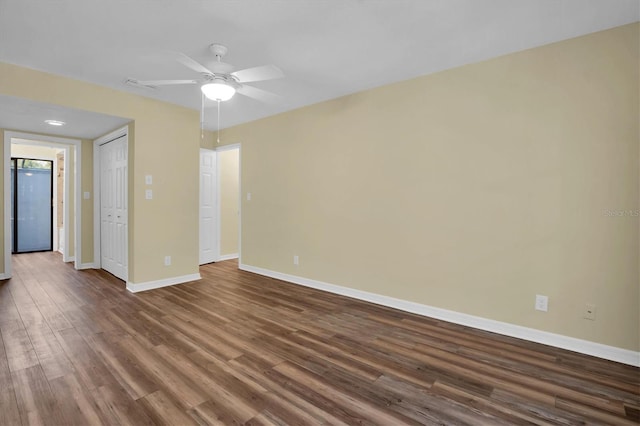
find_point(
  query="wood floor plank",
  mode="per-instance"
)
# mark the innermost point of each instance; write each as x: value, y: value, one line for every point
x: 53, y: 360
x: 361, y: 409
x: 75, y: 401
x: 125, y: 370
x: 290, y: 403
x: 224, y: 390
x: 214, y: 365
x: 36, y: 402
x: 19, y: 350
x: 183, y: 389
x: 163, y: 411
x: 238, y: 348
x: 9, y: 413
x: 89, y: 368
x: 116, y: 408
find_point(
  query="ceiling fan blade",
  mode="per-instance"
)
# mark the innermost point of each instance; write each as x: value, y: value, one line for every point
x: 191, y: 63
x: 259, y: 94
x: 264, y: 72
x: 164, y: 82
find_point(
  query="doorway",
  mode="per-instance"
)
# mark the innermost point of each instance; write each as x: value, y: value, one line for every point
x: 31, y: 205
x: 72, y: 149
x: 228, y: 201
x: 219, y: 204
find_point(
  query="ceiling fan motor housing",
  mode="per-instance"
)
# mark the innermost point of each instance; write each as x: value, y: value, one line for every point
x: 219, y: 50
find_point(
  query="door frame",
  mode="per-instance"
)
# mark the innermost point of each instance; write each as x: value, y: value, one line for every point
x: 45, y: 140
x: 118, y: 133
x: 54, y: 199
x: 216, y: 219
x: 237, y: 146
x: 54, y: 159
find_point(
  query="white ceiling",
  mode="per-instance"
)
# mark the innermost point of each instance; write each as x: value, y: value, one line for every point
x: 326, y: 48
x: 26, y: 115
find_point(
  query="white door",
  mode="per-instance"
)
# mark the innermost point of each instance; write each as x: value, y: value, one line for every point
x: 208, y: 210
x: 113, y: 207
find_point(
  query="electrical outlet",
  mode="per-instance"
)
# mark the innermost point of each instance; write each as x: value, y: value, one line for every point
x: 167, y: 260
x: 296, y: 260
x: 589, y: 312
x: 542, y: 303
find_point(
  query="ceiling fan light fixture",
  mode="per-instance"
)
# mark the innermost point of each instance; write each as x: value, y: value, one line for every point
x: 218, y: 91
x: 55, y: 122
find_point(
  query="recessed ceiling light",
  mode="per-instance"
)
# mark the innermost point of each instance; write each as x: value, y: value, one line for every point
x: 55, y: 122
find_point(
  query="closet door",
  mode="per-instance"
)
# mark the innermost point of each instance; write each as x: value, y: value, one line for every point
x: 113, y: 207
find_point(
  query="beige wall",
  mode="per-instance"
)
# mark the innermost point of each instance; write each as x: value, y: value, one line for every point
x: 163, y: 142
x: 87, y: 205
x: 229, y: 163
x: 473, y: 189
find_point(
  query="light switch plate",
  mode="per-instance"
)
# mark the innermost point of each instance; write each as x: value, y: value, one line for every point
x: 86, y: 195
x: 148, y: 194
x: 148, y: 179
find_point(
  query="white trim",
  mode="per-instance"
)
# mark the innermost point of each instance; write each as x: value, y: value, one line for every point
x: 151, y: 285
x: 227, y: 257
x: 228, y: 147
x: 4, y: 277
x: 7, y: 206
x: 86, y: 266
x: 45, y: 140
x: 66, y: 209
x: 118, y: 133
x: 599, y: 350
x: 54, y: 186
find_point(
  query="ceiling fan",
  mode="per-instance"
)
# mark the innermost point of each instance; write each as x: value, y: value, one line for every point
x: 219, y: 82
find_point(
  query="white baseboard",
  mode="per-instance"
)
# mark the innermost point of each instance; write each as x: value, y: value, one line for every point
x: 4, y: 276
x: 150, y: 285
x: 227, y: 257
x: 68, y: 259
x: 86, y: 266
x: 599, y: 350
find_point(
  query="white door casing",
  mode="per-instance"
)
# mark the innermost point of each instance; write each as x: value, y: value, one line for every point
x: 46, y: 141
x: 208, y: 208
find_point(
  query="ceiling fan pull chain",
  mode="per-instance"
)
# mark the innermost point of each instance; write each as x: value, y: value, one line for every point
x: 218, y: 120
x: 202, y: 118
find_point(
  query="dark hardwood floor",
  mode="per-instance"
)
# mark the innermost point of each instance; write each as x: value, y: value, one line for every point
x: 238, y: 348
